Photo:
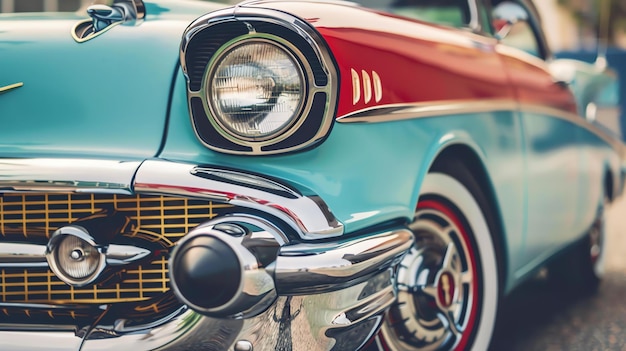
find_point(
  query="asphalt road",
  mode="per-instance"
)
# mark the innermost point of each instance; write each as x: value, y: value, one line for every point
x: 538, y: 316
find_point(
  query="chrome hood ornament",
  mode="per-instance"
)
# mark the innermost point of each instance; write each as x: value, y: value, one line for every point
x: 105, y: 17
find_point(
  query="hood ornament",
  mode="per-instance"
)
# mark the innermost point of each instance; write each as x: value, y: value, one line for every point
x: 105, y: 17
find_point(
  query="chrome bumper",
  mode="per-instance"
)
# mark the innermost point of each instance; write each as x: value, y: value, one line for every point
x: 330, y: 294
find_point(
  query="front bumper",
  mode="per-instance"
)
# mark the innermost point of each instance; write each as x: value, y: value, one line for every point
x: 328, y: 290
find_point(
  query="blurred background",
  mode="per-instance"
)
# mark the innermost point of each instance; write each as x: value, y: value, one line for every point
x: 571, y: 25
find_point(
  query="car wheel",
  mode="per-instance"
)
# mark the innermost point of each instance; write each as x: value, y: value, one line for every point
x: 448, y: 282
x: 581, y: 268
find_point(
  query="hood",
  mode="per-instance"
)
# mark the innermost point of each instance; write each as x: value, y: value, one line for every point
x: 106, y: 97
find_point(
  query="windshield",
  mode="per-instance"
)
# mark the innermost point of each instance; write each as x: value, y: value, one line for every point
x: 454, y: 13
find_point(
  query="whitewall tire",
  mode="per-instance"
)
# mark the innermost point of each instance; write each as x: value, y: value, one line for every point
x: 448, y: 282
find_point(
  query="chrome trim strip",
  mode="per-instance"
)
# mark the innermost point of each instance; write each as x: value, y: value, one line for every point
x: 378, y: 86
x: 67, y: 175
x: 22, y: 255
x: 367, y: 87
x: 398, y: 112
x: 356, y: 87
x: 6, y: 88
x: 311, y: 268
x: 42, y: 306
x: 576, y: 119
x: 474, y: 22
x: 34, y: 255
x: 309, y: 216
x: 37, y: 328
x: 62, y: 339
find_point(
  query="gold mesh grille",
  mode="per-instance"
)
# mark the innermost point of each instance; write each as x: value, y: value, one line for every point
x: 155, y: 219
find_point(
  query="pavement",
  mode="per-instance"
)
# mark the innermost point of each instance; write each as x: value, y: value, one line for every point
x: 539, y: 316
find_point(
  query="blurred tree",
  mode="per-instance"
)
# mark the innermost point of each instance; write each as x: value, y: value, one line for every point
x: 605, y: 17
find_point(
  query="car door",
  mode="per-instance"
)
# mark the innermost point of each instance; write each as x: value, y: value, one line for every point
x: 554, y: 166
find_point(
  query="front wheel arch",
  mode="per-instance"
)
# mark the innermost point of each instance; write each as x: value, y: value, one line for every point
x: 460, y: 155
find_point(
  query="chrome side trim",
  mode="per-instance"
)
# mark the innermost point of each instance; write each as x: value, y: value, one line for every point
x: 309, y: 216
x: 6, y: 88
x: 67, y: 175
x: 408, y: 111
x: 398, y: 112
x: 578, y: 120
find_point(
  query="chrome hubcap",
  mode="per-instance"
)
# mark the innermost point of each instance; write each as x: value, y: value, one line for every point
x: 436, y: 286
x: 596, y: 242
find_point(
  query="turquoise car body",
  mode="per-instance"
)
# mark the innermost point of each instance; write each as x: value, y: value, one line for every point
x: 123, y: 96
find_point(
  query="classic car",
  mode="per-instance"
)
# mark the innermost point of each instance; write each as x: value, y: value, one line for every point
x: 292, y: 175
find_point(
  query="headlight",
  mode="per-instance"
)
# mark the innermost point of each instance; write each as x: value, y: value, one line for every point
x: 255, y: 89
x: 258, y: 84
x: 73, y: 256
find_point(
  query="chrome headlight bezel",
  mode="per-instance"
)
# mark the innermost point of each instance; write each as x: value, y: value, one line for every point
x: 211, y: 36
x: 209, y: 93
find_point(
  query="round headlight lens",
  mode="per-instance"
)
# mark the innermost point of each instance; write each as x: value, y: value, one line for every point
x: 256, y: 90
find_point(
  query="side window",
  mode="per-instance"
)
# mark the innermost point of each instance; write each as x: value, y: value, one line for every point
x: 515, y: 26
x: 453, y: 13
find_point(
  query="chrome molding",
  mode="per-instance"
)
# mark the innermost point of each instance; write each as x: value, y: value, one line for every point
x: 6, y: 88
x: 575, y: 119
x: 474, y: 22
x: 67, y: 175
x: 398, y: 112
x: 22, y: 255
x: 309, y: 216
x: 247, y: 15
x: 408, y: 111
